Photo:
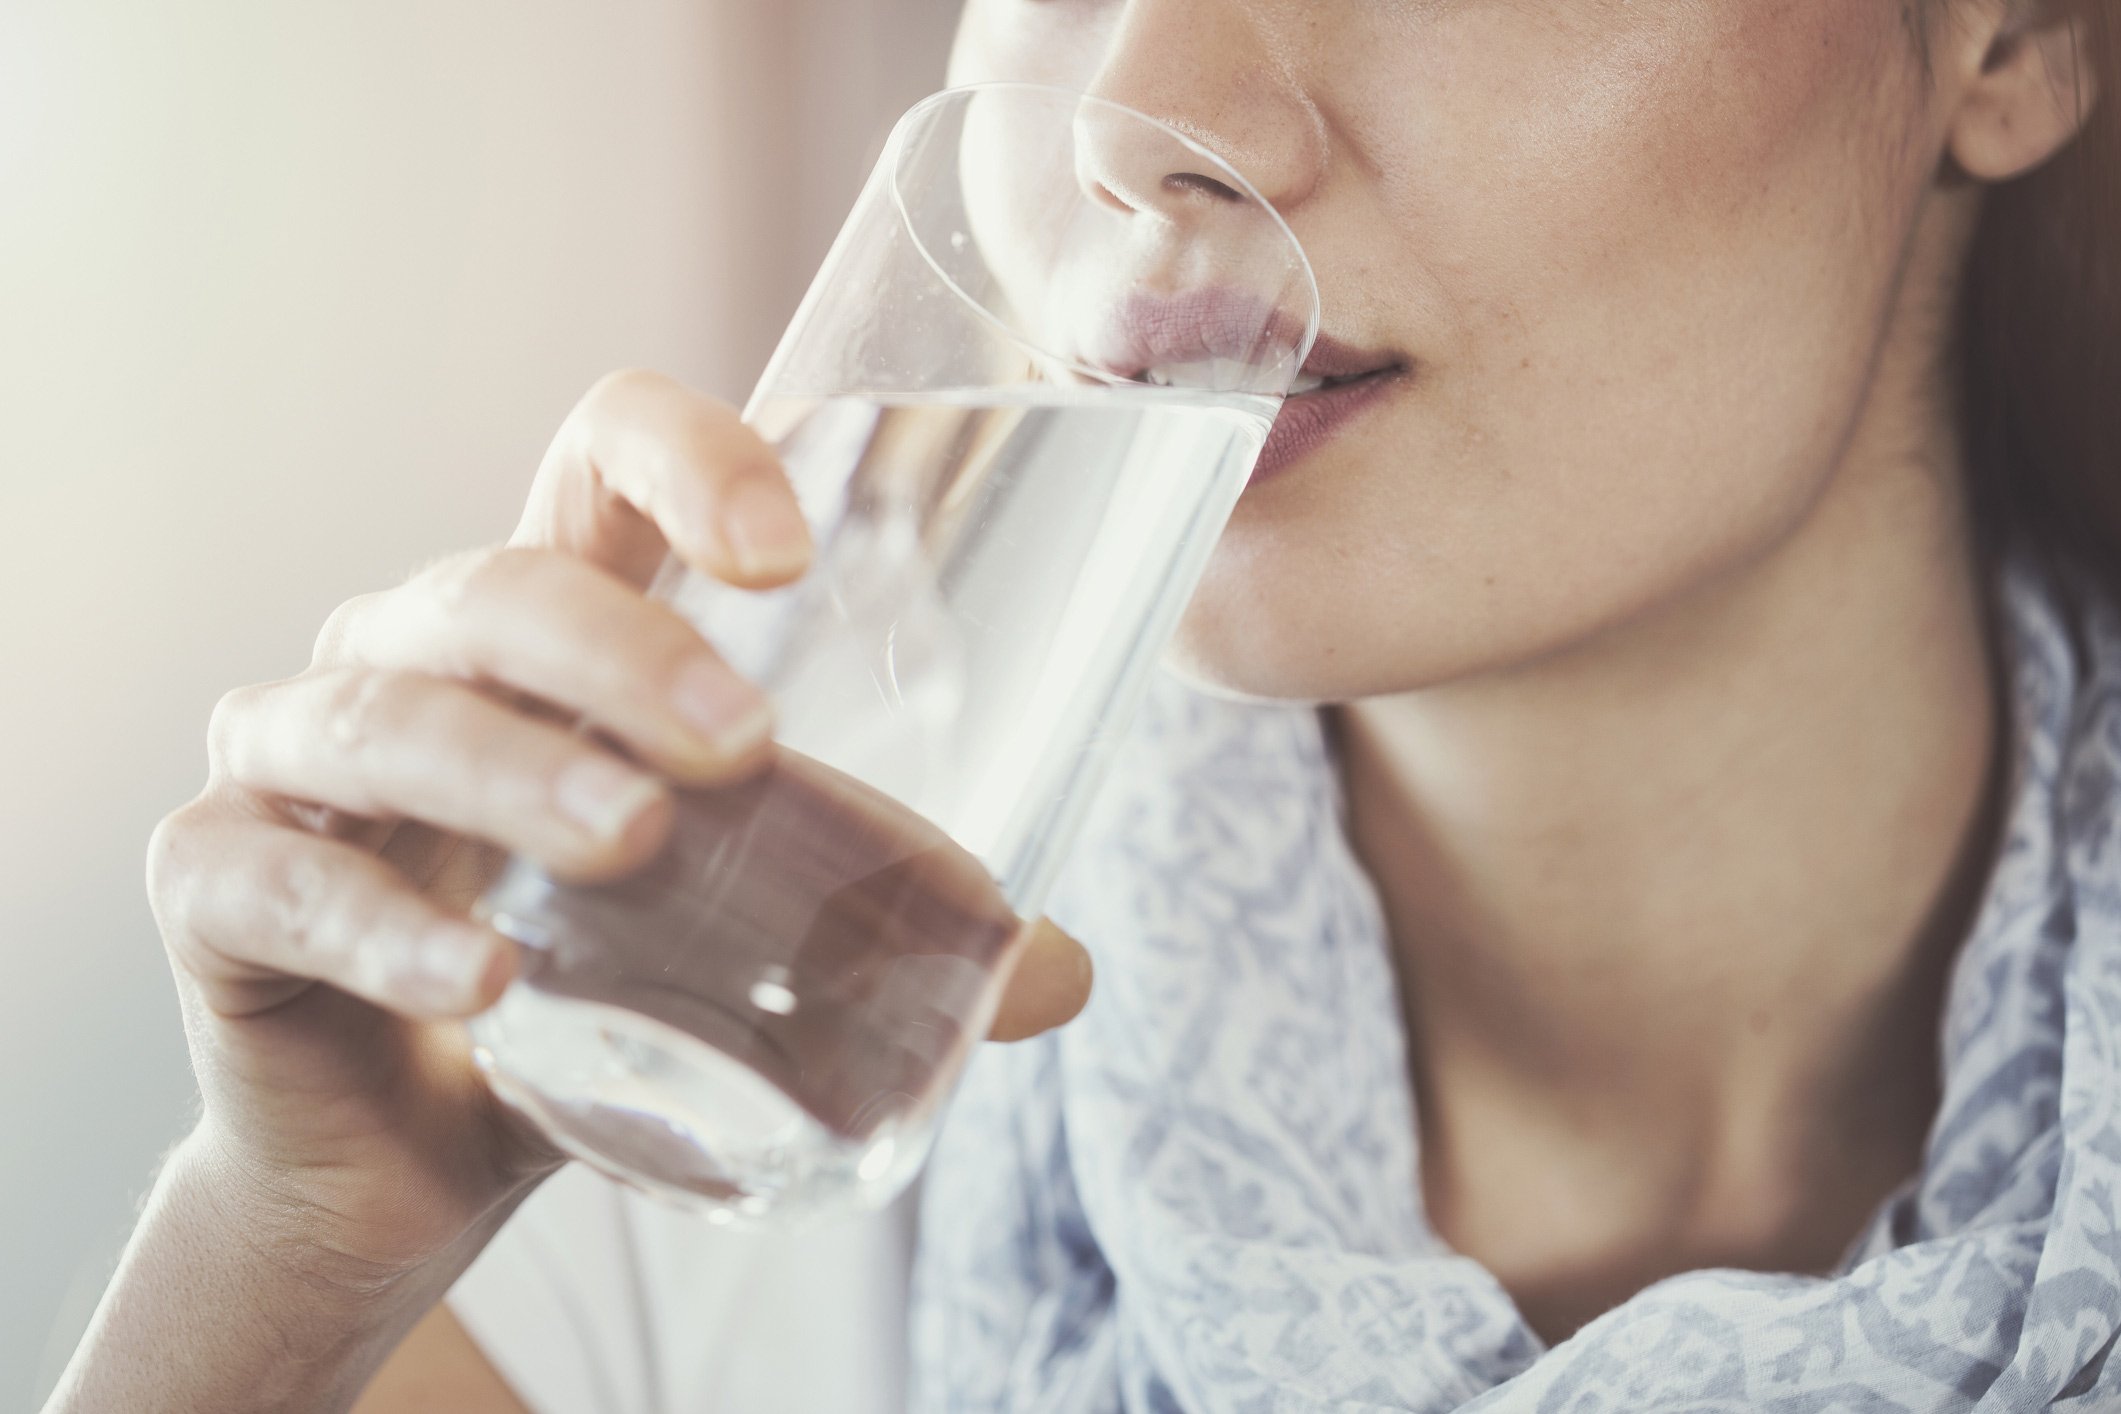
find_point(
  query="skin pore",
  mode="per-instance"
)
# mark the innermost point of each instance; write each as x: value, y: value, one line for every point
x: 1644, y: 612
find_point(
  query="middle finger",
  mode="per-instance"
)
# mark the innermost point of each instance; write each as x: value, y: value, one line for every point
x: 563, y: 630
x: 405, y: 745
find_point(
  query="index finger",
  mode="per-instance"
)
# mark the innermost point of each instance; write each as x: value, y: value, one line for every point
x: 643, y: 465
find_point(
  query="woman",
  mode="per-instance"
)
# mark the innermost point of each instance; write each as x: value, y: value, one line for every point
x: 1700, y: 709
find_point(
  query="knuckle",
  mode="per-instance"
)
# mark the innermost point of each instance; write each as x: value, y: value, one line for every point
x: 472, y: 577
x: 172, y: 870
x: 338, y: 639
x: 622, y: 387
x: 228, y: 727
x: 295, y: 895
x: 361, y: 710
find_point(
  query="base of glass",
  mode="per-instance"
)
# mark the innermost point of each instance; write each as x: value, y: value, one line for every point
x: 665, y: 1113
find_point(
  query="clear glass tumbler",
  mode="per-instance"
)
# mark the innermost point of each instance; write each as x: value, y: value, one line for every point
x: 1018, y: 405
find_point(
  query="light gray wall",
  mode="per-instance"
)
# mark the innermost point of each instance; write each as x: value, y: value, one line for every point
x: 290, y: 298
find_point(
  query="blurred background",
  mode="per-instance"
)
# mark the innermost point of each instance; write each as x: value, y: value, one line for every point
x: 291, y: 297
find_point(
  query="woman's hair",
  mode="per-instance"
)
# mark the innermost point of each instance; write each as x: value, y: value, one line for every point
x: 2042, y: 330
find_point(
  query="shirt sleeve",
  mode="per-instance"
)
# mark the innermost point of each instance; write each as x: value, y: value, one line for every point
x: 596, y: 1298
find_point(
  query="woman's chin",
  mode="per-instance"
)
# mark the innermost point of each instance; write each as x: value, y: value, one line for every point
x: 1249, y: 662
x: 1309, y: 649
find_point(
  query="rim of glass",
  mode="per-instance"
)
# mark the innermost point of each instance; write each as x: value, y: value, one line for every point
x: 894, y: 155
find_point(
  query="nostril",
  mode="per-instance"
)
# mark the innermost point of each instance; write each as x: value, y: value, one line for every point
x: 1101, y: 192
x: 1175, y: 184
x: 1202, y: 183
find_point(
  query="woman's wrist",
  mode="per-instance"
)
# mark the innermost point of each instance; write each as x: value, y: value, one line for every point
x: 284, y: 1232
x: 227, y: 1300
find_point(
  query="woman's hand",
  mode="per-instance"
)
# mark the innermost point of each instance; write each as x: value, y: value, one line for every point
x: 313, y: 896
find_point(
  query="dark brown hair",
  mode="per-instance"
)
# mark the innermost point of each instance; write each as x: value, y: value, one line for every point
x: 2041, y: 354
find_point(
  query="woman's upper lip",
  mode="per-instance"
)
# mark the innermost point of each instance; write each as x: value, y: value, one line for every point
x: 1210, y: 323
x: 1147, y: 331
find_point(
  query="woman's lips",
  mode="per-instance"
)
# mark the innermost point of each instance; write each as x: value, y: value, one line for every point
x: 1308, y: 420
x: 1254, y: 340
x: 1143, y: 332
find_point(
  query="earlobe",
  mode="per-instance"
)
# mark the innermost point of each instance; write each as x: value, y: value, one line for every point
x: 2033, y: 91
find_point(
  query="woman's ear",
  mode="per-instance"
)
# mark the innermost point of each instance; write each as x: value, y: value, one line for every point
x: 2028, y: 85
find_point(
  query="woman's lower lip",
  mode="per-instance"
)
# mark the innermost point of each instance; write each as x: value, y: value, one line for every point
x: 1308, y: 420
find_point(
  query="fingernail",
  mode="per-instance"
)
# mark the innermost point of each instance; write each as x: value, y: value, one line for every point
x: 764, y: 530
x: 729, y: 712
x: 446, y: 969
x: 602, y: 796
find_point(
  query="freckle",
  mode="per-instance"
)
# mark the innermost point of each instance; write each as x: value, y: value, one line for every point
x: 1527, y: 363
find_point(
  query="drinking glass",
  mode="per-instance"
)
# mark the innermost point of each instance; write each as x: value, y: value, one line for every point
x: 1018, y: 405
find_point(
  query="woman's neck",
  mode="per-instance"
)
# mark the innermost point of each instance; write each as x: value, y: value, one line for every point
x: 1674, y: 910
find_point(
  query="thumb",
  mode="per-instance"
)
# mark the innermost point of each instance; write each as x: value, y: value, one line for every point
x: 1048, y: 984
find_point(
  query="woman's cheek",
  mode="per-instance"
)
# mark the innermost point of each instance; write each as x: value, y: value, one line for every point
x: 1654, y: 212
x: 1642, y: 281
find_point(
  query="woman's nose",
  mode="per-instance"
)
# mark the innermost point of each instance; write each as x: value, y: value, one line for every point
x: 1207, y: 68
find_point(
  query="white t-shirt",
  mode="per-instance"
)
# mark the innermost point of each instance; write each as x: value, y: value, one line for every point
x: 597, y: 1300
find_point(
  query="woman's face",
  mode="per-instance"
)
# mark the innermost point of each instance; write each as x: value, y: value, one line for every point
x: 1633, y: 261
